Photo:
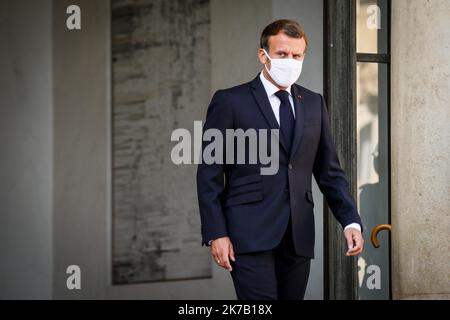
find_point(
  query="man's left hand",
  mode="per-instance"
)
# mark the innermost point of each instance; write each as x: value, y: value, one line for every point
x: 355, y: 241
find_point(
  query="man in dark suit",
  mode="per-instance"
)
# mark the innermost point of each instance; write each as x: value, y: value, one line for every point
x: 261, y: 227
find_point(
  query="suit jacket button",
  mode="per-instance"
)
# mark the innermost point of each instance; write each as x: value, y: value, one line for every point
x: 290, y: 166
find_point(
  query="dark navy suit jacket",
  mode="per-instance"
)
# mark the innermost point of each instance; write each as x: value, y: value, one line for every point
x: 235, y: 200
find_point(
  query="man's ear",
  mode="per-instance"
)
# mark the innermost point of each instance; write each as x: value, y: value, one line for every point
x: 262, y: 56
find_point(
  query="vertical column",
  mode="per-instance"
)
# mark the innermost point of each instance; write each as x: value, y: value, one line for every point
x: 26, y: 150
x: 420, y: 149
x: 81, y: 109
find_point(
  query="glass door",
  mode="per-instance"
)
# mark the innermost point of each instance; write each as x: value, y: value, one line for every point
x: 372, y: 136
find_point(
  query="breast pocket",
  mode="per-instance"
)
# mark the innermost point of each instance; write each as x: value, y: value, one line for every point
x: 244, y: 190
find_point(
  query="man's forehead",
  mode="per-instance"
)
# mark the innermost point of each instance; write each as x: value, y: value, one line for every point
x: 286, y: 43
x: 288, y: 48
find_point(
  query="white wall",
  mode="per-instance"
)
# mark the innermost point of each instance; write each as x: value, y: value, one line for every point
x: 236, y: 26
x: 26, y: 150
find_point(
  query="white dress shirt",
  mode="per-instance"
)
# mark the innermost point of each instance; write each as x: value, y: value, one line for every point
x: 275, y: 102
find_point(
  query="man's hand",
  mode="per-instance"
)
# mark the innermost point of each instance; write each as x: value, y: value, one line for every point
x: 222, y: 251
x: 355, y: 241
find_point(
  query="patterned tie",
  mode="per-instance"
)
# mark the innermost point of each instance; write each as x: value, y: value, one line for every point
x: 287, y: 120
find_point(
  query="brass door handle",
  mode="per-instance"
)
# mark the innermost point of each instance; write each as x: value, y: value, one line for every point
x: 375, y: 231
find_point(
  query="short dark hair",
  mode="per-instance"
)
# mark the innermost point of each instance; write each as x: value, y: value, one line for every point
x: 288, y: 27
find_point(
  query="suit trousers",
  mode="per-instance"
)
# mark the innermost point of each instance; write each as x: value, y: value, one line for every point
x: 277, y: 274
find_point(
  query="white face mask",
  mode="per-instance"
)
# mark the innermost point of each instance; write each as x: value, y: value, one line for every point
x: 284, y: 71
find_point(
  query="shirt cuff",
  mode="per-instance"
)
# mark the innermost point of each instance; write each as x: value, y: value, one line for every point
x: 353, y: 226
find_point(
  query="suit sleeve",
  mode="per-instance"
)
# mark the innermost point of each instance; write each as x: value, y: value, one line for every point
x: 210, y: 177
x: 331, y: 178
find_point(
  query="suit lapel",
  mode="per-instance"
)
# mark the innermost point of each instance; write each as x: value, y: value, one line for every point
x: 264, y: 105
x: 299, y: 117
